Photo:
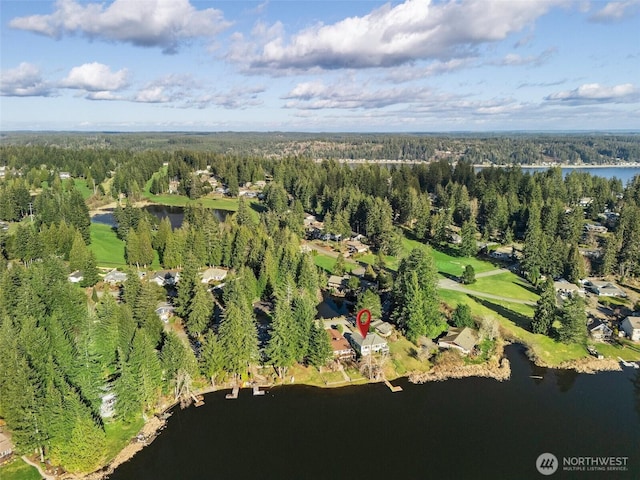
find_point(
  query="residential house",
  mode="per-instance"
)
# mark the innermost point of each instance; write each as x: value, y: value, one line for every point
x: 564, y: 287
x: 3, y: 171
x: 631, y: 326
x: 605, y: 289
x: 462, y: 339
x: 585, y: 202
x: 213, y: 275
x: 337, y: 284
x: 6, y: 447
x: 76, y: 277
x: 355, y: 246
x: 455, y: 239
x: 64, y: 175
x: 595, y: 228
x: 164, y: 311
x: 340, y: 346
x: 373, y: 343
x: 384, y: 329
x: 165, y: 277
x: 115, y: 277
x: 599, y: 330
x: 260, y: 184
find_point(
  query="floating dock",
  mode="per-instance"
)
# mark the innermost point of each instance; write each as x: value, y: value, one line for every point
x: 257, y: 391
x: 391, y: 387
x: 234, y: 393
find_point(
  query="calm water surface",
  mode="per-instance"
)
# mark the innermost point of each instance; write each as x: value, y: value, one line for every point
x: 175, y: 214
x: 470, y: 428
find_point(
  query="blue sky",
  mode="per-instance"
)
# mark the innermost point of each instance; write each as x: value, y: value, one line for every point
x: 418, y: 65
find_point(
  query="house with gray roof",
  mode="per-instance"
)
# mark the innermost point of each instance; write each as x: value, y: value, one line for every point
x: 115, y: 277
x: 631, y: 326
x: 373, y: 343
x: 599, y: 330
x: 462, y: 339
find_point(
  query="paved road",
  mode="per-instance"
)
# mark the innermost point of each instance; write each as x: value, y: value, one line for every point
x: 491, y: 273
x: 447, y: 284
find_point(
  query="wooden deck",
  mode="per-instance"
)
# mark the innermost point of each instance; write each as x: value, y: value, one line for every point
x: 234, y: 393
x: 395, y: 389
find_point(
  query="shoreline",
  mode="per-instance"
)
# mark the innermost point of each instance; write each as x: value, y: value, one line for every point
x: 561, y: 165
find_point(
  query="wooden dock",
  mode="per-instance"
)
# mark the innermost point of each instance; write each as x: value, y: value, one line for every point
x: 234, y: 393
x: 257, y: 391
x: 395, y: 389
x: 198, y: 400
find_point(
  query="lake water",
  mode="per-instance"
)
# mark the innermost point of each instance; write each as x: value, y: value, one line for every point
x: 623, y: 173
x: 458, y: 429
x: 175, y: 214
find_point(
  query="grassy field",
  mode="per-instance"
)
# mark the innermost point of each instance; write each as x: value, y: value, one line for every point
x: 404, y: 359
x: 107, y: 247
x: 81, y: 186
x: 19, y: 470
x: 327, y: 263
x: 514, y: 319
x: 119, y: 434
x: 506, y: 284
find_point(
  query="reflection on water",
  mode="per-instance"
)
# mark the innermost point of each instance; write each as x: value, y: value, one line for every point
x: 472, y: 428
x: 175, y: 214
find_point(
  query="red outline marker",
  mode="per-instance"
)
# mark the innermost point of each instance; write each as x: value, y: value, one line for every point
x: 363, y: 326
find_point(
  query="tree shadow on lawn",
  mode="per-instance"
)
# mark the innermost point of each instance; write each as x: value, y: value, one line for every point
x: 519, y: 319
x: 524, y: 283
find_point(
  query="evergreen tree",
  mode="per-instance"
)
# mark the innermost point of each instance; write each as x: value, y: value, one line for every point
x: 371, y: 301
x: 89, y: 270
x: 415, y: 297
x: 468, y: 275
x: 146, y: 369
x: 211, y: 357
x: 545, y: 313
x: 339, y: 266
x: 200, y: 310
x: 281, y: 349
x: 319, y: 346
x: 468, y: 247
x: 238, y: 335
x: 462, y: 316
x: 573, y: 319
x: 79, y: 253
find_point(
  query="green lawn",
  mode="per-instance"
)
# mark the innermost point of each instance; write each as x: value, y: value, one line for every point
x: 81, y: 186
x: 327, y: 263
x: 106, y: 245
x: 19, y: 470
x: 455, y: 265
x: 506, y: 284
x: 119, y: 434
x: 109, y: 249
x: 513, y: 320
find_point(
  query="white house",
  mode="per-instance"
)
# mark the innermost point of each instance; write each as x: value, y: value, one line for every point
x: 372, y: 343
x: 213, y: 275
x: 76, y: 276
x: 164, y: 311
x: 115, y: 276
x: 605, y: 289
x: 631, y: 326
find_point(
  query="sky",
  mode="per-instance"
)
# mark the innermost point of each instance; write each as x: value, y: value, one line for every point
x: 320, y: 66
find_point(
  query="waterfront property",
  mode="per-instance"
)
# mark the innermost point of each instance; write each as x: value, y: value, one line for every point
x: 631, y: 326
x: 599, y: 330
x: 462, y: 339
x: 373, y: 343
x: 340, y: 346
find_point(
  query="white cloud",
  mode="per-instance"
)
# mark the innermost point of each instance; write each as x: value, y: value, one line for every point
x: 95, y: 77
x: 514, y: 59
x: 395, y: 35
x: 24, y: 81
x: 237, y: 98
x: 166, y: 89
x: 596, y: 93
x: 353, y: 95
x: 616, y: 11
x: 146, y: 23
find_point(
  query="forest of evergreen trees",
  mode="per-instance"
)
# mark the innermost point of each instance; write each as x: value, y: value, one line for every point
x: 63, y: 347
